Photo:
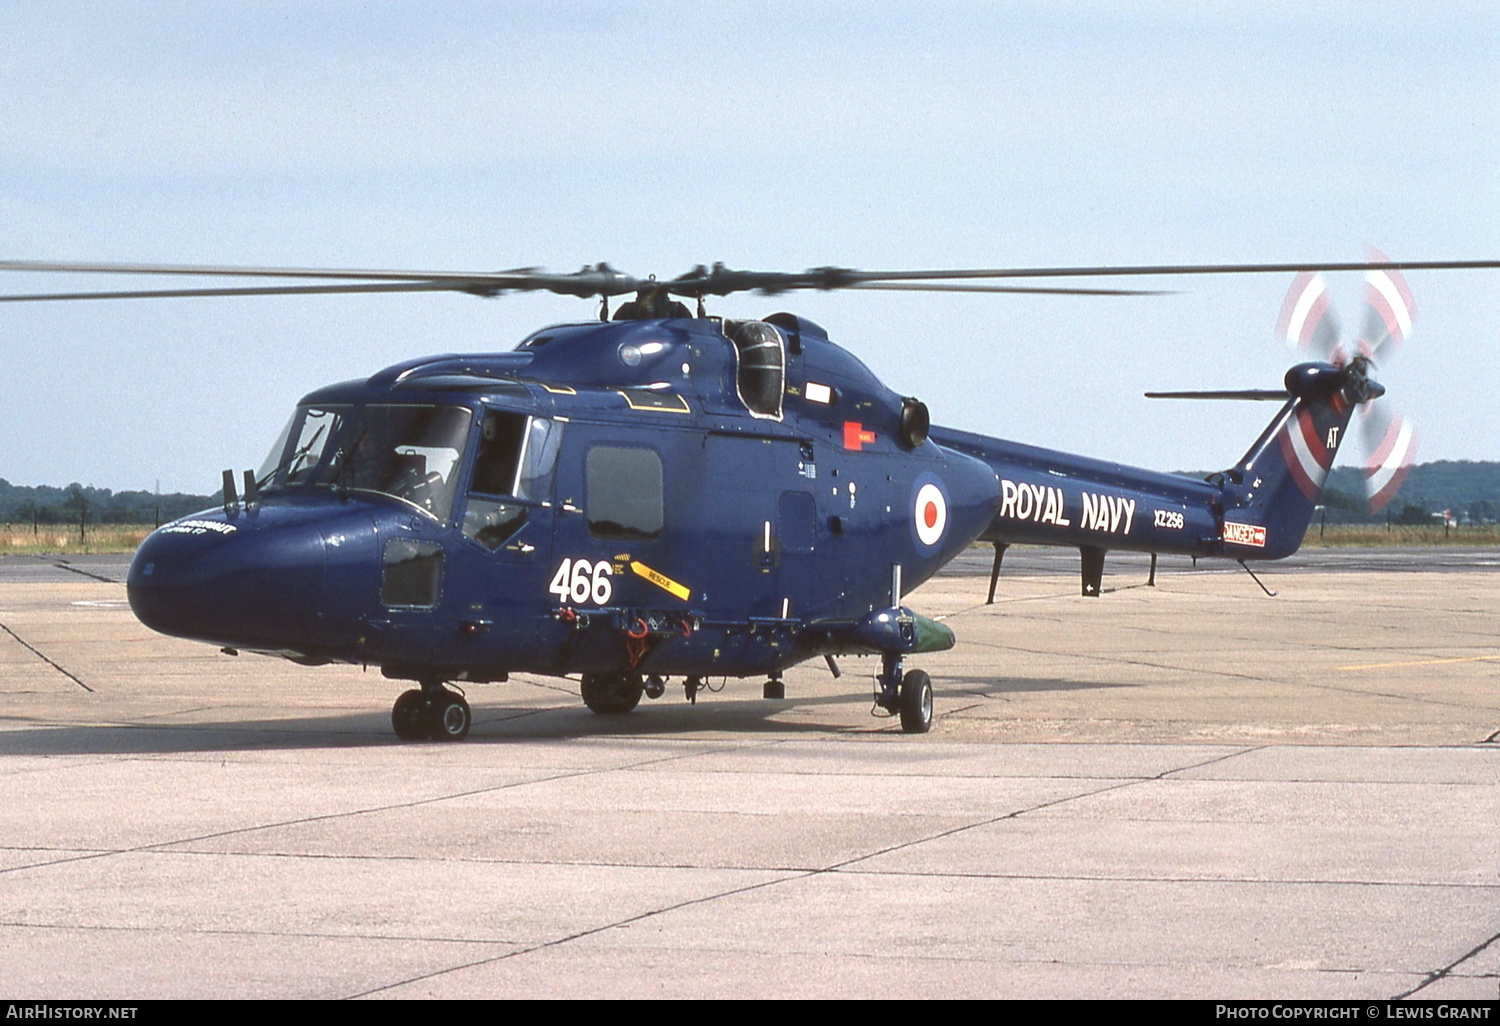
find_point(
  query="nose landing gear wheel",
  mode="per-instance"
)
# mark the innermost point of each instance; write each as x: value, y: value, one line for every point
x: 611, y: 694
x: 916, y: 702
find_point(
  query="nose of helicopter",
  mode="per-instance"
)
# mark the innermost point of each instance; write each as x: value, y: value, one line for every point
x: 248, y: 579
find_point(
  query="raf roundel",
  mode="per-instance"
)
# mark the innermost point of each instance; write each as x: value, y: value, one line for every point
x: 931, y: 512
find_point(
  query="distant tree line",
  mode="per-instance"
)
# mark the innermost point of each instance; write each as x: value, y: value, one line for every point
x: 44, y: 504
x: 1467, y: 490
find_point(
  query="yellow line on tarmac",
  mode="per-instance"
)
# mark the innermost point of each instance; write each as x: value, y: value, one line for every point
x: 1422, y: 662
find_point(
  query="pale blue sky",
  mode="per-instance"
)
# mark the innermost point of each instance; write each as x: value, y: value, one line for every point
x: 767, y: 135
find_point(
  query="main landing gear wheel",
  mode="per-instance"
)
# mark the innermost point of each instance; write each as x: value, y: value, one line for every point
x: 611, y: 694
x: 451, y: 718
x: 916, y: 702
x: 440, y: 716
x: 409, y: 716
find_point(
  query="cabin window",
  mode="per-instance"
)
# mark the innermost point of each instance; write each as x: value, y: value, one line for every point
x: 412, y: 573
x: 623, y: 493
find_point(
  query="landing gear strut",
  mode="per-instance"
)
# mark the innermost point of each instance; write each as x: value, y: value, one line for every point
x: 909, y: 695
x: 431, y: 713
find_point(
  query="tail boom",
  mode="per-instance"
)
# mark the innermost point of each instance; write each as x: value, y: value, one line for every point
x: 1258, y: 509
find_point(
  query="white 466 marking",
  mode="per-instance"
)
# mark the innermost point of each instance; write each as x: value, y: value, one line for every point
x: 579, y: 581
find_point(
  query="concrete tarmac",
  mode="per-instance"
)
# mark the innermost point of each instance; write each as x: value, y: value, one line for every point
x: 1191, y: 790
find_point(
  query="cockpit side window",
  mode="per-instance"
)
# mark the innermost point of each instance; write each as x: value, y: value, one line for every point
x: 539, y: 459
x: 501, y: 437
x: 512, y: 471
x: 761, y: 378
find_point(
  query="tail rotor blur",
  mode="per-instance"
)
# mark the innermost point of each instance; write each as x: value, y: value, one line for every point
x: 1307, y: 321
x: 1308, y: 324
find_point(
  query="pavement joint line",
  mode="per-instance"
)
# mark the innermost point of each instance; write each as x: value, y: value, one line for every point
x: 829, y: 870
x: 1447, y: 969
x: 1414, y: 699
x: 1116, y: 659
x: 1424, y: 662
x: 211, y: 932
x: 873, y: 955
x: 1224, y: 757
x: 580, y: 934
x: 648, y: 914
x: 1017, y: 813
x: 315, y: 856
x: 1211, y: 881
x: 1110, y: 659
x: 544, y: 686
x: 155, y: 846
x: 36, y: 652
x: 842, y: 869
x: 839, y: 867
x: 984, y: 699
x: 64, y: 565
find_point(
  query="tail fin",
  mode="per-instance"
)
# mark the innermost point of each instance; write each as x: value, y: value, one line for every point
x: 1270, y: 494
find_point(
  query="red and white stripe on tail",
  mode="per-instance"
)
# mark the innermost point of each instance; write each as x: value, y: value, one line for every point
x: 1308, y: 454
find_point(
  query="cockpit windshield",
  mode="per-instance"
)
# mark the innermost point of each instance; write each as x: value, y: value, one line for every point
x: 296, y: 455
x: 412, y: 452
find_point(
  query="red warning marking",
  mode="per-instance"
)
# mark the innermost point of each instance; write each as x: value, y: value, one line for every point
x: 855, y: 435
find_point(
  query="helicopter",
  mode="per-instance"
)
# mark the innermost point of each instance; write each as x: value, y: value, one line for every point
x: 658, y: 493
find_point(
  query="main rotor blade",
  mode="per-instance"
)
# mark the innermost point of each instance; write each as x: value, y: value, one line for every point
x: 218, y: 270
x: 590, y: 281
x: 603, y: 280
x: 1043, y: 290
x: 1168, y: 270
x: 721, y: 280
x: 266, y: 290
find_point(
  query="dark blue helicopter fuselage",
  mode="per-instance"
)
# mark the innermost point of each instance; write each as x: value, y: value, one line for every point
x: 671, y: 526
x: 670, y: 496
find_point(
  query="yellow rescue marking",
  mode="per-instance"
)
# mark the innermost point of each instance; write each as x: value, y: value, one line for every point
x: 559, y: 389
x: 662, y: 581
x: 1422, y: 662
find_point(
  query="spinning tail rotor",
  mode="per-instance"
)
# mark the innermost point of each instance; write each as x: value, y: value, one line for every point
x: 1308, y: 324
